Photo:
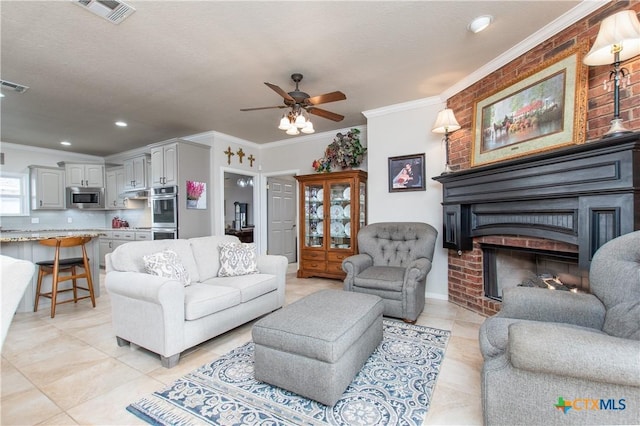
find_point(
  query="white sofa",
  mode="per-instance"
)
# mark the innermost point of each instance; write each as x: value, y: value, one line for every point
x: 166, y: 317
x: 16, y: 277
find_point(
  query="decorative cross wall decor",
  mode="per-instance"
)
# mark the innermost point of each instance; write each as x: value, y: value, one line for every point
x: 229, y: 154
x: 240, y: 154
x: 251, y: 159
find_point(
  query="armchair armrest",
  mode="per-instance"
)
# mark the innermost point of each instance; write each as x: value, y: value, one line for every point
x: 574, y: 352
x: 353, y: 265
x: 417, y: 270
x: 538, y: 304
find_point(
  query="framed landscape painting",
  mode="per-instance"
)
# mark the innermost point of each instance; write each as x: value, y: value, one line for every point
x: 544, y: 109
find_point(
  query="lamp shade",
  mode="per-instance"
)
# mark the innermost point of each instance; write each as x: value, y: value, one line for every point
x: 445, y: 122
x: 621, y: 29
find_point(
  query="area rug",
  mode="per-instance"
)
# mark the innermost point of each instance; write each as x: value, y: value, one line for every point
x: 394, y: 387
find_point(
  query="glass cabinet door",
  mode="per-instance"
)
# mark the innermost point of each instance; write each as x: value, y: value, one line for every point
x: 314, y: 215
x: 340, y: 215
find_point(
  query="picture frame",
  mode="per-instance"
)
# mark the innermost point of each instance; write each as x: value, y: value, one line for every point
x: 544, y: 109
x: 406, y: 173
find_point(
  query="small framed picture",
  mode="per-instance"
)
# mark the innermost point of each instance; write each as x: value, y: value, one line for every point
x: 406, y: 173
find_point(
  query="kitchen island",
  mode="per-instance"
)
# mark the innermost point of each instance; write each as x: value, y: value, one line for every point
x: 24, y: 245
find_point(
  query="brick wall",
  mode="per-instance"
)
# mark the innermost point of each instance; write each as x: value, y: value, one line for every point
x: 465, y: 271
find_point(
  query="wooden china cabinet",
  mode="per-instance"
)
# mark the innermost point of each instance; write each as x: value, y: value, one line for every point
x: 332, y: 211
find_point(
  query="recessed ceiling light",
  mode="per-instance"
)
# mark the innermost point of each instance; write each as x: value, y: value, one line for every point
x: 121, y: 124
x: 480, y: 23
x: 1, y: 95
x: 65, y: 143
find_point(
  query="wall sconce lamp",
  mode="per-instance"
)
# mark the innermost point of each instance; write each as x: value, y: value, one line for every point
x: 446, y: 123
x: 618, y: 40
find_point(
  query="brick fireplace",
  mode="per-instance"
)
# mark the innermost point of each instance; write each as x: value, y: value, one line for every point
x: 571, y: 200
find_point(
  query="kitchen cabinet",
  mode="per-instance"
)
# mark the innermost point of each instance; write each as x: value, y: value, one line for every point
x: 164, y: 165
x: 84, y: 175
x: 115, y: 185
x: 47, y: 188
x: 135, y: 172
x: 113, y: 239
x: 175, y: 163
x: 332, y: 211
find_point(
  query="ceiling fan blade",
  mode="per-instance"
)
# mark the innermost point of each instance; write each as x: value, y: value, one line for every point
x: 269, y: 107
x: 325, y: 114
x: 280, y: 92
x: 326, y: 98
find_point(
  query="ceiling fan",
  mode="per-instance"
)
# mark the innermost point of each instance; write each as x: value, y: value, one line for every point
x: 299, y: 101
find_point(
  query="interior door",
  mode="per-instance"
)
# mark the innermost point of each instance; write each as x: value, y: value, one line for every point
x: 281, y: 215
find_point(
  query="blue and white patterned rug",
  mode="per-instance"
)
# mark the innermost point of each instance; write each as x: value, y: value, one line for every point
x: 394, y: 387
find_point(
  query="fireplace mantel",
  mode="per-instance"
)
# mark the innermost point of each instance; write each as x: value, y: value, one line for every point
x: 585, y: 195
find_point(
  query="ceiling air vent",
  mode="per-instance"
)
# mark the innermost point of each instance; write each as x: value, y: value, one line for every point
x: 13, y: 86
x: 112, y: 10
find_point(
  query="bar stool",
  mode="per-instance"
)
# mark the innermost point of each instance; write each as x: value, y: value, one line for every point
x: 57, y: 265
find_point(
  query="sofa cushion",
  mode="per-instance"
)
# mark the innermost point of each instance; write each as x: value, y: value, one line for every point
x: 381, y: 278
x: 166, y: 264
x: 206, y: 253
x: 237, y: 259
x: 250, y: 286
x: 129, y: 257
x: 201, y: 300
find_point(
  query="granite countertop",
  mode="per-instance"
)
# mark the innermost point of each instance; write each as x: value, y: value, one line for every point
x: 14, y: 236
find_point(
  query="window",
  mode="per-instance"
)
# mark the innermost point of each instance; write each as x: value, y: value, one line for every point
x: 14, y: 194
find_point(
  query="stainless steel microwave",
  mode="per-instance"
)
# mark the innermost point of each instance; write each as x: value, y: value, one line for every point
x: 85, y: 198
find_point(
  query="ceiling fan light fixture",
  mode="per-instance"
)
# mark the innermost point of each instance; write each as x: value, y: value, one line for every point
x: 480, y: 23
x: 284, y: 123
x: 308, y: 128
x: 293, y: 130
x: 300, y: 121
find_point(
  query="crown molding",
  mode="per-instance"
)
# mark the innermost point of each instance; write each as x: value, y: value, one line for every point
x: 582, y: 10
x: 405, y: 106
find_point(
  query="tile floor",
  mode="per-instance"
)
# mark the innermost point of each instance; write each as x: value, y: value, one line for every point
x: 69, y: 370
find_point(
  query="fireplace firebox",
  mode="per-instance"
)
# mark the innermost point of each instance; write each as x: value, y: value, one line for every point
x: 505, y: 267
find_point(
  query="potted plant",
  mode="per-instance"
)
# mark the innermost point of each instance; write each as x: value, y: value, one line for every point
x: 345, y: 151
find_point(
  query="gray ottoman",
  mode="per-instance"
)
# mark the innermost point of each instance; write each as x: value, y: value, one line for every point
x: 316, y: 346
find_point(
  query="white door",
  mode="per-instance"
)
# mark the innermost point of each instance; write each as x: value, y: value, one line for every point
x: 281, y: 215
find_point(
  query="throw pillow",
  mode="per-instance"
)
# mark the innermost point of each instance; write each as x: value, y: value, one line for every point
x: 166, y: 264
x: 237, y: 259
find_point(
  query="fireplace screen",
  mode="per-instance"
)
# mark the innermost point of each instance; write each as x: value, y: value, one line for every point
x: 512, y: 266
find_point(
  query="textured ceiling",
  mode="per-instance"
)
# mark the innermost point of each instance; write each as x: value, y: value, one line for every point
x: 177, y: 68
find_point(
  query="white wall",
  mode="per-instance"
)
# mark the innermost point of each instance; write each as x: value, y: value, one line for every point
x: 405, y: 130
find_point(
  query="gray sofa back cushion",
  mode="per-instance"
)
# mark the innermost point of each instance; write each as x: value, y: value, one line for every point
x: 614, y: 278
x: 397, y: 243
x: 206, y: 251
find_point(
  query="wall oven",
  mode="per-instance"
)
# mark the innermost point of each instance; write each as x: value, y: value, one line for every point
x: 164, y: 213
x: 164, y: 234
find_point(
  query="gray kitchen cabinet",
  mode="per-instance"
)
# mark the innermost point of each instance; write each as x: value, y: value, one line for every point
x: 84, y: 175
x: 115, y: 238
x: 114, y: 188
x: 164, y: 165
x: 135, y: 172
x: 47, y: 188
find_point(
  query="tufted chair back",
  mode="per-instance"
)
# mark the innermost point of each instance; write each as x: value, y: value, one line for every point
x: 397, y: 243
x: 614, y: 278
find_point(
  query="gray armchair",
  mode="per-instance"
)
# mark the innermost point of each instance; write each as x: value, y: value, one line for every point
x: 393, y: 262
x: 548, y: 349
